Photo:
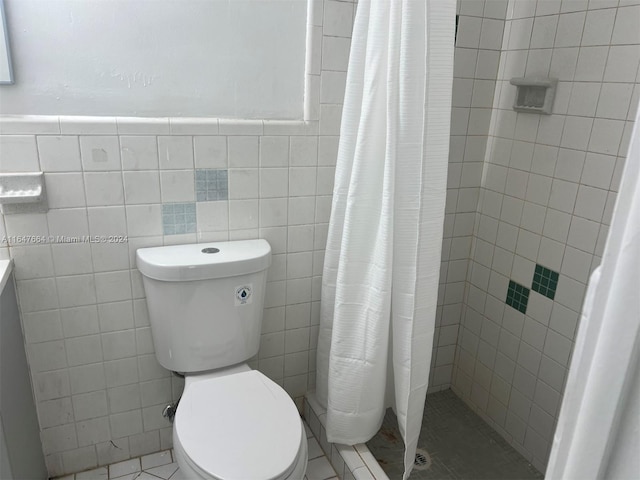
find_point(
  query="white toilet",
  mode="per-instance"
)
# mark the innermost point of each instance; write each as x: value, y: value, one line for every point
x: 205, y: 306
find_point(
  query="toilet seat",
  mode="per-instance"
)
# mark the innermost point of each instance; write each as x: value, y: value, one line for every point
x: 238, y: 426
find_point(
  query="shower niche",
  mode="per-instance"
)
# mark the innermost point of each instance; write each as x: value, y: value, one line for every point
x: 534, y: 95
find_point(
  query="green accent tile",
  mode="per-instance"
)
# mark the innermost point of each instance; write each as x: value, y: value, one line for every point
x: 211, y: 184
x: 545, y: 281
x: 178, y: 218
x: 517, y: 296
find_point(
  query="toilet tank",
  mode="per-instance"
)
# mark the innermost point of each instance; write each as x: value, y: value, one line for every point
x: 205, y: 302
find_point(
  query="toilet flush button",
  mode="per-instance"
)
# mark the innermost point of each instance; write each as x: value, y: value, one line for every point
x: 244, y: 295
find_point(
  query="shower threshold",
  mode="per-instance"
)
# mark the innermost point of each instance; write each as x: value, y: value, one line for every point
x: 455, y: 443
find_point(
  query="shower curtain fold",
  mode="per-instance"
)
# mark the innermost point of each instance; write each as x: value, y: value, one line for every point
x: 382, y: 259
x: 598, y: 432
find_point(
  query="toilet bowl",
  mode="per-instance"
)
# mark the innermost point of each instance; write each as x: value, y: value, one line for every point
x: 238, y: 424
x: 205, y: 304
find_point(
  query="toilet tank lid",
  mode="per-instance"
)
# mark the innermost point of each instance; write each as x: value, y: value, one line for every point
x: 203, y: 261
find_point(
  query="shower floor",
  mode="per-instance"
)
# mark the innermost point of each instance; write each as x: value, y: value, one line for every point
x: 459, y: 444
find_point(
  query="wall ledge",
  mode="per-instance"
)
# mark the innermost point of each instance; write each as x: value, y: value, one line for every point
x: 97, y: 125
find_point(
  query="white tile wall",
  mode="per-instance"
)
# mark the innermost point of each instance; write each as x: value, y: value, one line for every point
x: 477, y: 56
x: 98, y: 386
x: 546, y: 194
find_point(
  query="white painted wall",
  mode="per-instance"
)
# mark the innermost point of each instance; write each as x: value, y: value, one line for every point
x: 219, y: 58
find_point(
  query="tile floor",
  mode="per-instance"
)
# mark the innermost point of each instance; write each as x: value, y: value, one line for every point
x: 456, y: 444
x: 162, y: 465
x: 319, y: 467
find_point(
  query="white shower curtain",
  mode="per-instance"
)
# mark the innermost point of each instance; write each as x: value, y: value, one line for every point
x: 598, y: 433
x: 382, y: 259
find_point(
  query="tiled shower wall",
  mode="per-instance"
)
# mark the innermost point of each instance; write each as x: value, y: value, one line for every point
x: 98, y: 386
x: 477, y: 55
x: 548, y: 189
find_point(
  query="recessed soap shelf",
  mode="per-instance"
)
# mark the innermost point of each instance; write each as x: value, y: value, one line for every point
x: 22, y: 192
x: 534, y: 95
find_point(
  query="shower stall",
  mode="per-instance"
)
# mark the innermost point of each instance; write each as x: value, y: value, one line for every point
x: 530, y: 198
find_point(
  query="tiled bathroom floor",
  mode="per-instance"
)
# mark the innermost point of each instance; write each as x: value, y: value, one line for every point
x: 459, y: 444
x: 149, y: 467
x: 162, y: 465
x: 319, y: 467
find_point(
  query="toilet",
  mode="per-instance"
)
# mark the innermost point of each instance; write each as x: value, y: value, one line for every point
x: 205, y: 305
